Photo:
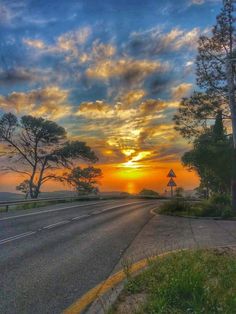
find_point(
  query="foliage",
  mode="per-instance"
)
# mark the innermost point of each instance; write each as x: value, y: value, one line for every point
x: 201, y: 281
x: 148, y: 193
x: 84, y: 180
x: 196, y: 112
x: 179, y: 191
x: 24, y: 187
x: 215, y: 69
x: 211, y: 158
x: 36, y: 147
x: 214, y: 51
x: 175, y: 206
x: 217, y: 206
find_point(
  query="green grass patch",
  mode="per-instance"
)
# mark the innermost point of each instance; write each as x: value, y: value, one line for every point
x: 217, y: 206
x: 201, y: 281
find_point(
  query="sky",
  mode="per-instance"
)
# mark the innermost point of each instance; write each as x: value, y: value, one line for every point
x: 112, y: 73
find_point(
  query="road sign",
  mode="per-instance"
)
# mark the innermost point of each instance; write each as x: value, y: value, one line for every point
x: 171, y: 183
x: 171, y: 174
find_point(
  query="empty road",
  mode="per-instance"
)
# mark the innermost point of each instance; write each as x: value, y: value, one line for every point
x: 50, y: 257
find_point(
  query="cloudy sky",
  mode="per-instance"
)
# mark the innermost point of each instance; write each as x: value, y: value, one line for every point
x: 111, y: 72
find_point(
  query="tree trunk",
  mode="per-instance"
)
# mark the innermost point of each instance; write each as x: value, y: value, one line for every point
x: 233, y: 182
x: 233, y: 179
x: 232, y: 104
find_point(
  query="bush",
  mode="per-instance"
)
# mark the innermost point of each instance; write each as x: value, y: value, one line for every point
x: 217, y: 206
x: 149, y: 193
x: 175, y: 206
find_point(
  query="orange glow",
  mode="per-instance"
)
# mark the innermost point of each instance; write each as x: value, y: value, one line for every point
x: 133, y: 179
x: 128, y: 177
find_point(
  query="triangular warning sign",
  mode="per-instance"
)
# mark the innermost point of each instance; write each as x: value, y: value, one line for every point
x: 171, y: 183
x: 171, y: 174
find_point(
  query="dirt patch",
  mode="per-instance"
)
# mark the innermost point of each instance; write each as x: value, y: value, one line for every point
x: 226, y: 250
x: 129, y: 304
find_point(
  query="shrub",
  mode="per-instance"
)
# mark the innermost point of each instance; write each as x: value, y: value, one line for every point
x: 175, y: 206
x: 218, y: 205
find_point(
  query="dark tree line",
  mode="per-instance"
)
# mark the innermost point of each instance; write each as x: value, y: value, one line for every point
x: 216, y: 78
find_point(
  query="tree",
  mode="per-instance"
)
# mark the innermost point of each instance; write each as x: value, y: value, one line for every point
x: 216, y: 77
x: 148, y: 193
x: 24, y: 187
x: 84, y: 180
x: 179, y: 191
x: 196, y: 113
x: 211, y: 158
x: 36, y: 148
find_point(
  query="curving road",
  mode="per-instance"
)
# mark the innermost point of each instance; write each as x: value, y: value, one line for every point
x: 50, y: 257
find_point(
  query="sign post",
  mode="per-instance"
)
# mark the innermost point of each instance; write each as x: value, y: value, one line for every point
x: 171, y: 182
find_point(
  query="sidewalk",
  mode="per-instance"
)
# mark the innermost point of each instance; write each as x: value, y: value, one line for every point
x: 168, y: 233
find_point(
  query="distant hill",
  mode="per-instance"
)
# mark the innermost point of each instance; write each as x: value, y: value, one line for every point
x: 8, y: 196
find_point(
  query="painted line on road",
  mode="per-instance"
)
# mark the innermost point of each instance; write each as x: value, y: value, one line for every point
x: 63, y: 222
x: 49, y: 211
x: 80, y: 217
x: 82, y: 303
x: 118, y: 206
x: 16, y: 237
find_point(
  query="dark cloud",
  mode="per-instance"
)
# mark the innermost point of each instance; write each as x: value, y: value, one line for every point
x: 156, y: 42
x: 16, y: 76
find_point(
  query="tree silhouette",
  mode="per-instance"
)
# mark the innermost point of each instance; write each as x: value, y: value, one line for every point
x: 84, y: 180
x: 36, y: 148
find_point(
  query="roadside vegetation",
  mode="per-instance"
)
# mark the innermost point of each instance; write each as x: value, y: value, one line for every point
x: 145, y: 193
x: 217, y: 206
x: 201, y: 281
x: 207, y: 117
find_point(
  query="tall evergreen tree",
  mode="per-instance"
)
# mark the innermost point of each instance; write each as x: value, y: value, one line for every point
x: 216, y: 76
x: 211, y: 158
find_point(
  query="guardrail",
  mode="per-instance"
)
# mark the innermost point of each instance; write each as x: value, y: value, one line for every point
x: 7, y: 204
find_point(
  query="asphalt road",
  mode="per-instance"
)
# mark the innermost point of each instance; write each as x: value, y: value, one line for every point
x: 51, y: 257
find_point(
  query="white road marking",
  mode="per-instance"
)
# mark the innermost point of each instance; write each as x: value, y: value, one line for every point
x: 25, y: 234
x: 80, y: 217
x: 16, y: 237
x: 48, y: 211
x: 63, y: 222
x: 114, y: 207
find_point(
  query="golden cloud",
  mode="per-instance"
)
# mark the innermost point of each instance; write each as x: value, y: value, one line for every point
x: 106, y: 69
x: 132, y: 96
x: 155, y: 41
x: 50, y: 102
x: 69, y: 43
x: 128, y: 134
x: 35, y: 43
x: 182, y: 90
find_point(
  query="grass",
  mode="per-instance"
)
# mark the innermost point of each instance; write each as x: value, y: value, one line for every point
x: 215, y: 207
x: 201, y: 281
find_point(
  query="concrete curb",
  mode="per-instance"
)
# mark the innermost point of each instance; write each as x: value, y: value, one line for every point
x: 103, y: 302
x: 197, y: 217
